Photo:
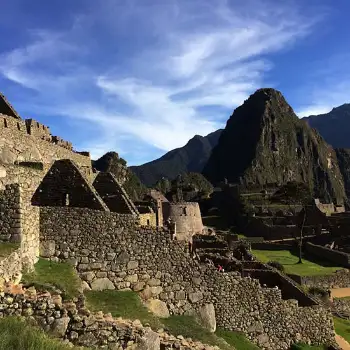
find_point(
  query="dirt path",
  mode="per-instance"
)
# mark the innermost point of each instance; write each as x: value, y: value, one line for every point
x: 340, y: 292
x: 344, y: 345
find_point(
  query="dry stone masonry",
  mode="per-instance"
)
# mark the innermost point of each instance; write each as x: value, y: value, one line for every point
x: 111, y: 251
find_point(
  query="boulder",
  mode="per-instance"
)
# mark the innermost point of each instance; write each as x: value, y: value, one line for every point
x: 101, y: 284
x: 157, y: 307
x: 149, y: 341
x: 47, y: 249
x: 59, y: 327
x: 207, y: 318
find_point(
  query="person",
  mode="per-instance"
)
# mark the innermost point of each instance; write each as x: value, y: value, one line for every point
x: 219, y: 268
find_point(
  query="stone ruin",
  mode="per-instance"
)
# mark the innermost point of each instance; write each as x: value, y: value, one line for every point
x: 56, y: 207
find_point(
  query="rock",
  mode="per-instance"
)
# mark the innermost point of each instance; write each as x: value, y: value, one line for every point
x: 87, y: 276
x: 101, y: 284
x: 263, y: 340
x: 158, y: 308
x: 149, y: 341
x: 85, y: 286
x: 59, y: 327
x: 2, y: 171
x: 207, y: 318
x: 138, y: 286
x: 146, y: 293
x: 131, y: 278
x: 154, y: 282
x: 47, y: 248
x: 132, y: 265
x: 194, y: 297
x: 123, y: 257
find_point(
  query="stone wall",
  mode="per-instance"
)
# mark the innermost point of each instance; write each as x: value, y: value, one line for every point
x: 9, y: 213
x: 26, y: 227
x: 188, y: 219
x: 148, y: 219
x: 17, y: 145
x: 334, y: 256
x: 65, y: 185
x: 339, y: 279
x: 10, y: 268
x: 112, y: 251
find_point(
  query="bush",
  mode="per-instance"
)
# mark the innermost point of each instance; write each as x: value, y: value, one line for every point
x: 276, y: 265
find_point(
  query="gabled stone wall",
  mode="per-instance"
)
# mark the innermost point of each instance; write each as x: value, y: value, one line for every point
x: 112, y: 251
x: 65, y: 185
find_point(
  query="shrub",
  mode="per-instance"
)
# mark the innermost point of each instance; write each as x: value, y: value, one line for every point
x: 276, y: 265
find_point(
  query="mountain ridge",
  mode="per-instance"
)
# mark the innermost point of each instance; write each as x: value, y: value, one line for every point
x: 190, y: 158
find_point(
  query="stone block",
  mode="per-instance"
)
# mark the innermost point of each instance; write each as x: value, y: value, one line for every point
x: 132, y: 265
x: 131, y: 278
x: 180, y: 295
x: 195, y: 297
x: 157, y: 307
x: 207, y: 318
x: 59, y: 327
x: 153, y: 282
x: 47, y: 249
x: 101, y: 284
x: 149, y: 341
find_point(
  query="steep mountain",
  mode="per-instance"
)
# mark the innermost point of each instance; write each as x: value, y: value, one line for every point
x: 333, y: 126
x: 264, y: 142
x: 111, y: 162
x: 190, y: 158
x: 343, y: 156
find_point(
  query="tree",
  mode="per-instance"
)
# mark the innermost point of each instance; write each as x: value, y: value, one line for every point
x: 295, y: 193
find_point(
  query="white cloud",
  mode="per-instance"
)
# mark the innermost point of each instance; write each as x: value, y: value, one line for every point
x: 186, y: 56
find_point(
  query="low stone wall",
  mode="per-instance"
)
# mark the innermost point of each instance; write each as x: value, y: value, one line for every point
x: 112, y: 251
x: 332, y: 255
x: 289, y: 290
x: 339, y: 279
x: 74, y: 324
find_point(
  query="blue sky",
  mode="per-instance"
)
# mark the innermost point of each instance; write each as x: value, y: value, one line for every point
x: 142, y: 77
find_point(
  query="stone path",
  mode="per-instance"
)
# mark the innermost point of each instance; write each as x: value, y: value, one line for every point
x: 344, y: 345
x: 340, y: 292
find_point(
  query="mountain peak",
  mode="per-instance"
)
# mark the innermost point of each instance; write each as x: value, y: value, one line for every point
x: 264, y: 142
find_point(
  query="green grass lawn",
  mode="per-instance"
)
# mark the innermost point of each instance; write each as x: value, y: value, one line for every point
x: 16, y: 334
x: 308, y: 347
x: 342, y: 327
x: 127, y: 304
x: 58, y: 274
x: 290, y: 263
x: 7, y: 248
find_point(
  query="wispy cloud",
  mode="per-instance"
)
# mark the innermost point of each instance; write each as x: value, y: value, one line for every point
x: 154, y: 69
x: 329, y: 87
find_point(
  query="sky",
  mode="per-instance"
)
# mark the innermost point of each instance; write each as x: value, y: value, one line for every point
x: 142, y: 77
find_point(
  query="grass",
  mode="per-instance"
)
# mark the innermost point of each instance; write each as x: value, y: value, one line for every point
x: 342, y: 327
x: 7, y: 248
x: 54, y: 274
x: 16, y: 334
x: 301, y: 346
x: 128, y: 305
x: 290, y: 263
x: 236, y: 339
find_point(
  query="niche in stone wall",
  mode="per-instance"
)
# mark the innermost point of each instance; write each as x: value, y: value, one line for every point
x: 64, y: 185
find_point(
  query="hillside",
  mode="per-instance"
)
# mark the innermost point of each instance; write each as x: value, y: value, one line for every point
x: 265, y: 142
x: 111, y: 162
x: 333, y: 126
x: 190, y: 158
